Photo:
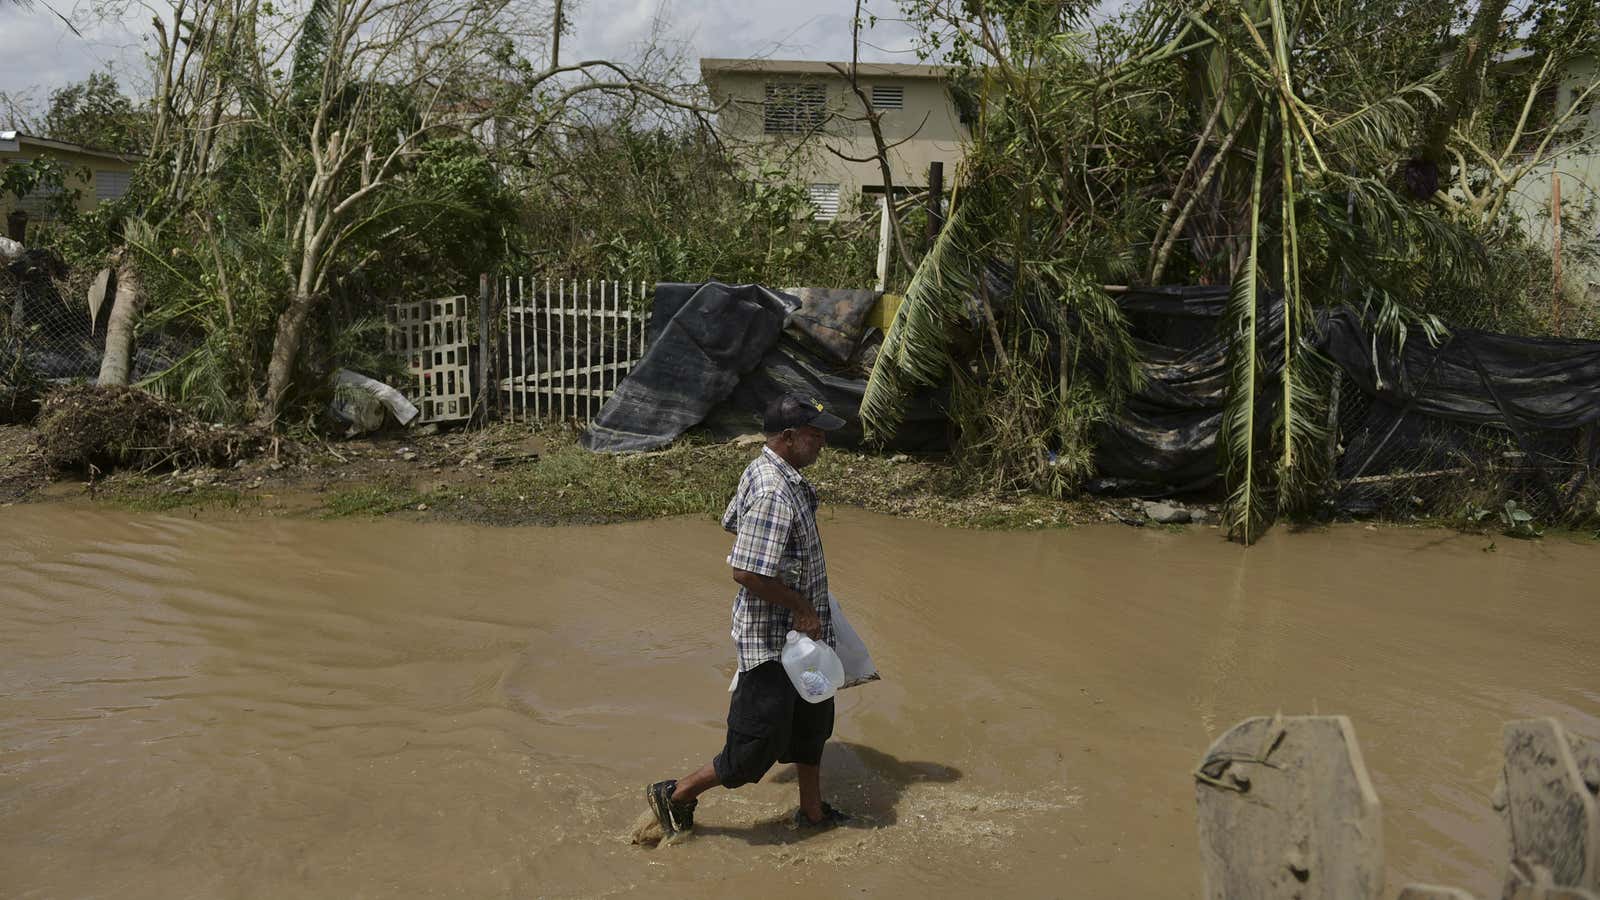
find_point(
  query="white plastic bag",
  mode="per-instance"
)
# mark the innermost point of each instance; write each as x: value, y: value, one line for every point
x: 852, y: 651
x: 858, y: 667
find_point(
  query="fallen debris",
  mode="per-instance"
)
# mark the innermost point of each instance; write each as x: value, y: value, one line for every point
x: 114, y: 427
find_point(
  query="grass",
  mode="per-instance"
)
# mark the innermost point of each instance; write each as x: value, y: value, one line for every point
x: 566, y: 484
x: 142, y: 494
x: 571, y: 485
x: 371, y: 500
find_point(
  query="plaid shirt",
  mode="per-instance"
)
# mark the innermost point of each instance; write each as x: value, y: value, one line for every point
x: 774, y: 518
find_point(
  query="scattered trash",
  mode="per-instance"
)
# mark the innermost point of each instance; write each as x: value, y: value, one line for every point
x: 359, y: 401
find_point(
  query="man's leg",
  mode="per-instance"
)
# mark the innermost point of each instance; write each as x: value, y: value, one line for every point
x: 810, y: 779
x: 758, y: 728
x: 813, y: 725
x: 692, y: 786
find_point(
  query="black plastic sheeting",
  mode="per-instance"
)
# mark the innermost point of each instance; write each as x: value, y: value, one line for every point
x: 718, y: 353
x: 1165, y: 440
x: 1477, y: 377
x: 702, y: 342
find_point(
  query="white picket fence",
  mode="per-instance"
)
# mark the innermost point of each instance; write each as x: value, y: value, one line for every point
x: 569, y: 343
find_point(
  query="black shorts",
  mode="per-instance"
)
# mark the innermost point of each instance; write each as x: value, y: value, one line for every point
x: 768, y: 723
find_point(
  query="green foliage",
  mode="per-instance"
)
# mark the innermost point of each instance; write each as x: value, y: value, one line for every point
x: 1518, y: 522
x: 96, y: 114
x: 21, y: 385
x: 671, y: 204
x: 372, y: 500
x: 1251, y: 142
x: 44, y: 175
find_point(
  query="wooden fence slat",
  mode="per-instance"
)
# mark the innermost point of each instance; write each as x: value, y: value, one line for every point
x: 549, y: 345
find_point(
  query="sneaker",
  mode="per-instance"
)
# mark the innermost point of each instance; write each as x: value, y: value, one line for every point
x: 830, y: 818
x: 674, y: 817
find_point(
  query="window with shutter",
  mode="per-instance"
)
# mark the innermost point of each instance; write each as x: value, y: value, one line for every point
x: 825, y: 200
x: 886, y: 96
x: 793, y: 107
x: 111, y: 185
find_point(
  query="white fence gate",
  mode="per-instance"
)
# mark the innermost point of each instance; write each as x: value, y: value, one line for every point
x: 569, y: 344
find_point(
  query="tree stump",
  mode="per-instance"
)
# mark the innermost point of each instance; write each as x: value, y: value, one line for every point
x: 1286, y: 810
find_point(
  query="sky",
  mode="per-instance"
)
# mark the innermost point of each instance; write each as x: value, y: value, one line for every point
x: 38, y: 53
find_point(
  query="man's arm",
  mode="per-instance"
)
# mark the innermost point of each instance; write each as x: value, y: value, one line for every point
x: 779, y: 594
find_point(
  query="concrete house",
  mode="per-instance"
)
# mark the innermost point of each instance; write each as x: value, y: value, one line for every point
x: 804, y: 115
x: 97, y: 175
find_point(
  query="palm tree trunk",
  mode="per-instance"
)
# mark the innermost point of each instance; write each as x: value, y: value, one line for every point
x: 285, y: 348
x: 114, y: 363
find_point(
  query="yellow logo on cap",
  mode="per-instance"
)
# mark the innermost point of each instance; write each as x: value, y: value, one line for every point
x: 818, y: 406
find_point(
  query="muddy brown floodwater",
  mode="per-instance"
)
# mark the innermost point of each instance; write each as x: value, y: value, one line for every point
x: 305, y: 709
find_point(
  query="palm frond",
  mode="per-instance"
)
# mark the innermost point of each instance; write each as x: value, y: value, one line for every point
x: 917, y: 348
x: 311, y: 53
x: 1383, y: 125
x: 1310, y: 376
x: 1248, y: 511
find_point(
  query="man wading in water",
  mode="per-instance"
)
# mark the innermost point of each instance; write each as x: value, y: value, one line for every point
x: 783, y: 584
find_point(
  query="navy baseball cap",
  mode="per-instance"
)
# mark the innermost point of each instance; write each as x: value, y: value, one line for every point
x: 797, y: 410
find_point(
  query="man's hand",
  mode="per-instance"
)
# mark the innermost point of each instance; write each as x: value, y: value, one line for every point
x: 807, y: 623
x: 803, y: 618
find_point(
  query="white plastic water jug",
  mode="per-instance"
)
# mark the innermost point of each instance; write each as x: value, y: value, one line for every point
x: 813, y: 667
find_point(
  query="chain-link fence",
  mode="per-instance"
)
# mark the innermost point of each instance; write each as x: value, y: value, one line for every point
x: 49, y: 328
x: 49, y: 334
x: 1398, y: 461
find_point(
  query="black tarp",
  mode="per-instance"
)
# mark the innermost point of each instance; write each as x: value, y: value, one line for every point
x: 1472, y: 376
x: 820, y: 345
x: 1164, y: 438
x: 719, y: 353
x: 1421, y: 396
x: 703, y: 341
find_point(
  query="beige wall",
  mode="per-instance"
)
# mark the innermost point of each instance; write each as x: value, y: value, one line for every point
x: 80, y: 170
x: 927, y: 129
x: 1578, y: 165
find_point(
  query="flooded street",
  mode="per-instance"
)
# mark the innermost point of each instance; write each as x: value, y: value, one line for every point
x: 283, y: 708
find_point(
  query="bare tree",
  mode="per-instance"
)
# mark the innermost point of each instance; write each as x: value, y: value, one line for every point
x: 346, y: 98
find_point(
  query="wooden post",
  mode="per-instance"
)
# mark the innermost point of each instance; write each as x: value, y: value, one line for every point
x: 481, y: 412
x: 1555, y: 249
x: 883, y: 242
x: 1286, y: 810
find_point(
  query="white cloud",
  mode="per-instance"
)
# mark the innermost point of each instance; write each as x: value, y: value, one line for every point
x: 38, y: 53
